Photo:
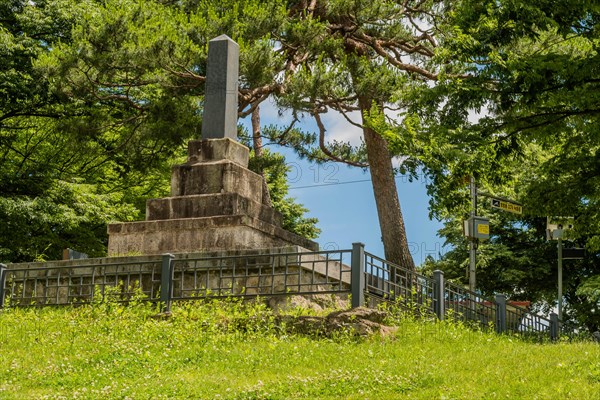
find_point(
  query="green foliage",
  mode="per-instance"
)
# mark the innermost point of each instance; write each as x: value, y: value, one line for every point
x: 591, y: 289
x: 69, y: 165
x: 275, y: 171
x: 521, y: 116
x: 530, y: 73
x: 127, y: 104
x: 97, y: 99
x: 25, y: 33
x: 66, y: 215
x: 114, y: 351
x: 343, y: 52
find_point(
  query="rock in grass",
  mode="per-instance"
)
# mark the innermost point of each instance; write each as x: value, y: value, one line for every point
x: 162, y: 315
x: 358, y: 321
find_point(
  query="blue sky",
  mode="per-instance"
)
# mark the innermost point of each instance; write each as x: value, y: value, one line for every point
x: 341, y: 197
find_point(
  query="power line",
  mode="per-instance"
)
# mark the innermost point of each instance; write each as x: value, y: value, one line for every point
x: 330, y: 184
x: 338, y: 183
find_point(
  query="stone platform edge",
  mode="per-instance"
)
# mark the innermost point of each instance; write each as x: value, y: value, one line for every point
x: 189, y: 232
x: 133, y: 259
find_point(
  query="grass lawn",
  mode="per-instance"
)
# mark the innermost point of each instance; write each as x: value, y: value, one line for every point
x: 230, y: 350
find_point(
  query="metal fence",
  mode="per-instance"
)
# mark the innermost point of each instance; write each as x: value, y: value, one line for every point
x: 278, y: 274
x: 390, y: 282
x: 462, y: 305
x: 78, y: 284
x: 166, y: 278
x: 367, y: 278
x: 386, y: 281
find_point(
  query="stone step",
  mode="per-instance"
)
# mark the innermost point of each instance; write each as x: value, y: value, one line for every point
x: 209, y: 205
x: 216, y: 177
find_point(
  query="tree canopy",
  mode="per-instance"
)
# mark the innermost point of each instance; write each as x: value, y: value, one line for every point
x: 144, y: 61
x: 98, y: 98
x: 97, y: 102
x: 522, y: 119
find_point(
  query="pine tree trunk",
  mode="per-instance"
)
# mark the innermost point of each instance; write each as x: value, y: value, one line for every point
x: 391, y: 222
x: 257, y: 144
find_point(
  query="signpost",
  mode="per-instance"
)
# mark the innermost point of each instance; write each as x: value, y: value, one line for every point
x: 473, y: 241
x: 573, y: 253
x: 560, y: 278
x: 556, y: 227
x: 507, y: 205
x: 479, y: 227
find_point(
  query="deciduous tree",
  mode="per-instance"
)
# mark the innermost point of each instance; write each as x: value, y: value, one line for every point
x: 532, y: 78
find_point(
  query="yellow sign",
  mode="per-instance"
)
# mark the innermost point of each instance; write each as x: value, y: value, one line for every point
x: 507, y: 206
x: 477, y: 228
x: 483, y: 229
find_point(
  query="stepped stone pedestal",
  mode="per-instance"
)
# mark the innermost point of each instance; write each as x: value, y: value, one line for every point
x: 216, y: 203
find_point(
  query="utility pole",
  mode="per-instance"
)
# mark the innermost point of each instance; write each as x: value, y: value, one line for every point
x: 560, y: 278
x: 556, y: 229
x: 473, y: 241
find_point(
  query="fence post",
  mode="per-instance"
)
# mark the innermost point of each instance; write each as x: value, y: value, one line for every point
x: 3, y: 270
x: 166, y: 282
x: 500, y: 313
x: 439, y: 298
x: 554, y: 326
x: 357, y: 275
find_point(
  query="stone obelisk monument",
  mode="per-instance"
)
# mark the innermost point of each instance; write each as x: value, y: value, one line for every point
x: 216, y: 202
x: 221, y: 97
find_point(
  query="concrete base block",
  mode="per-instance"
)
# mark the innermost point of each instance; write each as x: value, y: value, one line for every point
x: 216, y: 204
x: 198, y: 235
x: 200, y: 151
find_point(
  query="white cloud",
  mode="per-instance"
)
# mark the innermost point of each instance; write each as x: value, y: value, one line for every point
x: 475, y: 115
x: 338, y: 128
x: 398, y: 161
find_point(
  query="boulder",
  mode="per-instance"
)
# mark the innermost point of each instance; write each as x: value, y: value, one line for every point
x: 359, y: 321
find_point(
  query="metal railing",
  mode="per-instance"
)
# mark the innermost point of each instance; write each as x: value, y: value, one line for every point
x: 262, y: 275
x: 390, y: 282
x: 79, y: 284
x: 367, y: 278
x: 520, y: 320
x: 463, y: 305
x: 185, y: 277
